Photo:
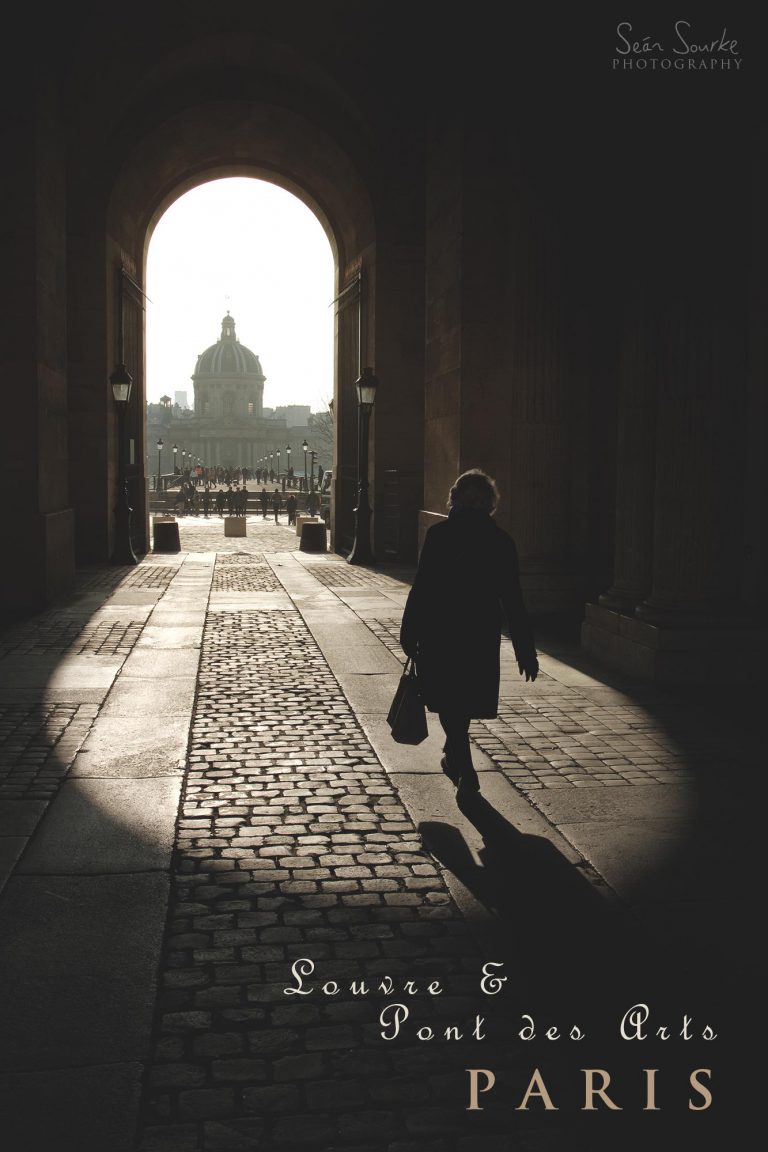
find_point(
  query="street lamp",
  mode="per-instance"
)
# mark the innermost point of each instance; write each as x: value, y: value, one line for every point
x: 305, y: 446
x: 366, y: 386
x: 121, y: 382
x: 271, y: 470
x: 159, y: 458
x: 175, y: 450
x: 278, y: 463
x: 288, y: 461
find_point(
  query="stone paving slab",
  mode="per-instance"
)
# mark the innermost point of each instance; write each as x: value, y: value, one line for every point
x: 652, y: 859
x: 78, y: 968
x: 19, y: 817
x: 135, y: 596
x: 175, y: 613
x: 158, y: 664
x: 368, y: 659
x: 106, y: 826
x: 89, y: 1109
x: 618, y: 805
x: 170, y: 636
x: 134, y: 746
x: 152, y: 698
x: 11, y: 848
x: 371, y: 693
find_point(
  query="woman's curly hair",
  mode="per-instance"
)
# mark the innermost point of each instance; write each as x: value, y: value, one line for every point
x: 474, y: 489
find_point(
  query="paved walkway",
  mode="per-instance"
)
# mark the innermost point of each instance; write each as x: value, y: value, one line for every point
x: 198, y: 791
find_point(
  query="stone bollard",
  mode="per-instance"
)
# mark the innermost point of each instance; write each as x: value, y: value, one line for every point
x: 313, y: 537
x: 234, y: 526
x: 165, y: 535
x: 301, y: 520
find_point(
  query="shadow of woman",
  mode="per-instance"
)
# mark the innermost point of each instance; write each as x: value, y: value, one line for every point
x: 569, y: 943
x: 573, y: 955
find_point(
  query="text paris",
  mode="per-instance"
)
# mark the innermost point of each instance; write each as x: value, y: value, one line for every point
x: 598, y: 1093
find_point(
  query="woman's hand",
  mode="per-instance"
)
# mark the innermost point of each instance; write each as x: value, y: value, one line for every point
x: 529, y: 667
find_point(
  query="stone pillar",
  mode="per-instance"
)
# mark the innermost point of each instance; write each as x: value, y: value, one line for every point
x: 636, y: 420
x: 534, y: 451
x: 690, y: 628
x: 495, y: 374
x: 697, y: 455
x: 40, y: 524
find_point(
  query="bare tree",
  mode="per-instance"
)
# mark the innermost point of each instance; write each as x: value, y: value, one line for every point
x: 321, y: 427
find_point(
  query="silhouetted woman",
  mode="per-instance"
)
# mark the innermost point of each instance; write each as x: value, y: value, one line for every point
x: 466, y: 590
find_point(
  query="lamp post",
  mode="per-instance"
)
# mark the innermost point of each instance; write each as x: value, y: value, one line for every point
x: 366, y: 385
x: 271, y: 469
x: 288, y: 461
x: 175, y: 451
x: 123, y: 553
x: 305, y: 446
x: 159, y: 469
x: 278, y: 463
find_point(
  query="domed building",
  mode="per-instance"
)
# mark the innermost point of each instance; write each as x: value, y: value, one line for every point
x: 228, y: 379
x: 227, y: 425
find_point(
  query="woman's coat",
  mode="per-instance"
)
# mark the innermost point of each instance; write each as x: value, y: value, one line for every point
x: 466, y: 590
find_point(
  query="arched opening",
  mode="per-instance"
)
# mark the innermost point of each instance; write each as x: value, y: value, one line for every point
x: 381, y: 324
x: 251, y: 389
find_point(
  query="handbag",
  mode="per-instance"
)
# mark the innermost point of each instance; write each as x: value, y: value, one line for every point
x: 407, y: 716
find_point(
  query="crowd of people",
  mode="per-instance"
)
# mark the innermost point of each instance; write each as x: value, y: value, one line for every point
x: 218, y: 476
x: 232, y: 500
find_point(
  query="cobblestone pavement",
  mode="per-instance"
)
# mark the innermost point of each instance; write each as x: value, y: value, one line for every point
x: 291, y: 844
x: 294, y: 845
x: 38, y: 743
x: 39, y: 738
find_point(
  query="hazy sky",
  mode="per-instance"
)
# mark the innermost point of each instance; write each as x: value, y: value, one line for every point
x: 252, y: 249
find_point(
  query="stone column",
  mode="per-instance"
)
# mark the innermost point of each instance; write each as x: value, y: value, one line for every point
x: 635, y: 461
x: 697, y: 461
x: 39, y: 522
x: 690, y: 628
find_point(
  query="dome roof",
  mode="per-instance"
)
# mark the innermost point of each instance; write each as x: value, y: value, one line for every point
x: 228, y: 357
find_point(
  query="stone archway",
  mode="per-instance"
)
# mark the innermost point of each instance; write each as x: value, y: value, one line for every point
x: 165, y: 155
x: 198, y: 145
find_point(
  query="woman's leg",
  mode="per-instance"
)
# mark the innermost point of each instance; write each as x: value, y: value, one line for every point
x: 457, y: 749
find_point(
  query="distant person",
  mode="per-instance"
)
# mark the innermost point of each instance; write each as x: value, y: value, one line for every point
x: 220, y: 501
x: 244, y: 499
x: 230, y: 500
x: 276, y: 504
x: 312, y: 503
x: 264, y: 500
x: 466, y: 590
x: 290, y: 507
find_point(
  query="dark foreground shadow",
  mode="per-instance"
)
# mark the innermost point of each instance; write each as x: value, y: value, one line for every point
x: 554, y: 919
x: 576, y: 957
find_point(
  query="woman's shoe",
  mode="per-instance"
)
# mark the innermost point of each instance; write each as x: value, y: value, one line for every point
x: 469, y: 783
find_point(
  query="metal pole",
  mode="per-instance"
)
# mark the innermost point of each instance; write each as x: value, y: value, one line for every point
x: 361, y: 550
x: 123, y: 553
